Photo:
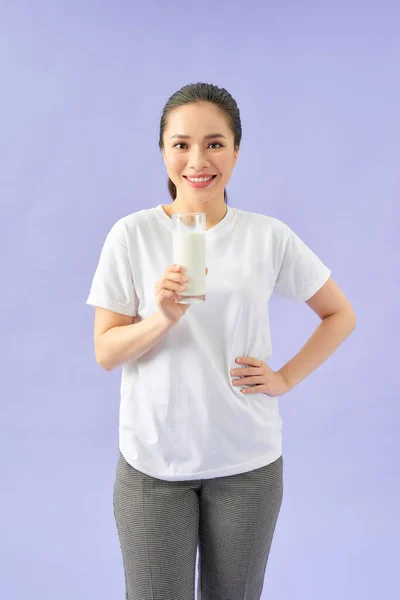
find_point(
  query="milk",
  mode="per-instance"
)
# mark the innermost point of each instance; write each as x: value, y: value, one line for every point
x: 189, y: 251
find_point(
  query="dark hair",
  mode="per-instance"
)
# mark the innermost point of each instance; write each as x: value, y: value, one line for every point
x: 203, y: 92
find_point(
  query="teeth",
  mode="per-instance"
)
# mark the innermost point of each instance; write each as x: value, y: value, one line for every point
x: 199, y: 179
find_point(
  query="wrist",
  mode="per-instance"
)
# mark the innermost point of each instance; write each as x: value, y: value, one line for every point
x: 164, y: 322
x: 289, y: 384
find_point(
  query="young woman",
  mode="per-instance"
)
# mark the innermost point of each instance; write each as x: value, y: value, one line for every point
x: 200, y: 463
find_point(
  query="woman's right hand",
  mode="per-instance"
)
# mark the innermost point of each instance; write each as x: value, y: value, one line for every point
x: 166, y: 296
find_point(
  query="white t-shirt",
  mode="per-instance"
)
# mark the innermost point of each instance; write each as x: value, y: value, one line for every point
x: 180, y: 416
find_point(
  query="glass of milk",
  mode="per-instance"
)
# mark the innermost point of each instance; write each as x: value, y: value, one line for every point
x: 189, y: 251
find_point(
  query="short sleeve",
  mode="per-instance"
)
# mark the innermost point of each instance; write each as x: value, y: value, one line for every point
x: 112, y: 286
x: 302, y: 273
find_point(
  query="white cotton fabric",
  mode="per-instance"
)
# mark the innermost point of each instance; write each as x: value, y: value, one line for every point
x: 180, y: 416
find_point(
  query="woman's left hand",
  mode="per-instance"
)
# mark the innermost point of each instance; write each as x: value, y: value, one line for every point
x: 265, y: 380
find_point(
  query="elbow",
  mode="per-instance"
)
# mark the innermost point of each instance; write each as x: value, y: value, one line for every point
x: 349, y: 316
x: 100, y: 361
x: 104, y: 366
x: 99, y: 357
x: 347, y: 319
x: 108, y: 367
x: 353, y: 319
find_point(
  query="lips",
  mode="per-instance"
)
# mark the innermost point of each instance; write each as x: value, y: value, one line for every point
x: 200, y: 184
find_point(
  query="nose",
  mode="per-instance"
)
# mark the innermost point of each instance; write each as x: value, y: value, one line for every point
x: 198, y: 160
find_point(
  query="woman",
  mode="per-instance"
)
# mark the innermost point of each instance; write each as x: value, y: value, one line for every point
x: 200, y: 462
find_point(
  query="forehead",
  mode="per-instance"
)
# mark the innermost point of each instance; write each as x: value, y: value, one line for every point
x: 202, y: 117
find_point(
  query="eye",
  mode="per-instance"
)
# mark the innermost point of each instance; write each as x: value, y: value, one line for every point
x: 211, y: 144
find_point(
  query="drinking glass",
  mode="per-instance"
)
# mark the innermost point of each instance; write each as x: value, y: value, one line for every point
x: 189, y: 251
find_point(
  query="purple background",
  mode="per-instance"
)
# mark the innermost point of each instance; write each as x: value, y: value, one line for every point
x: 83, y: 85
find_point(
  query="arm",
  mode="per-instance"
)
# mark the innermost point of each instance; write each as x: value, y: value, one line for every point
x: 117, y: 339
x: 338, y: 321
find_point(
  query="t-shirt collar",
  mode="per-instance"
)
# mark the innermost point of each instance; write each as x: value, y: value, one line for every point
x: 219, y: 229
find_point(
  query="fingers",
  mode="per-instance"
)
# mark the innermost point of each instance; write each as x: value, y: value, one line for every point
x: 172, y: 280
x: 165, y: 294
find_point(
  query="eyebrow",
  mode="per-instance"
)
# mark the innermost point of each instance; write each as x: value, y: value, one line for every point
x: 210, y: 136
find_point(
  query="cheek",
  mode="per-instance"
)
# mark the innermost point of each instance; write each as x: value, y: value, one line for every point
x: 226, y: 168
x: 175, y: 163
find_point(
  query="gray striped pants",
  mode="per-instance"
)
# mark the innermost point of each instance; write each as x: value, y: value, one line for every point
x: 230, y: 520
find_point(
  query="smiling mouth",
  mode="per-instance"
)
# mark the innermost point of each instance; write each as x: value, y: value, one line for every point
x: 200, y: 184
x: 200, y: 177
